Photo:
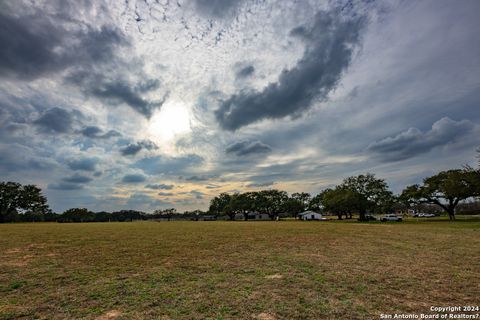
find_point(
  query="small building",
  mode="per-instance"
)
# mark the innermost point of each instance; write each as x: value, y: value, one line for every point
x: 254, y: 216
x: 207, y: 218
x: 310, y: 215
x: 258, y: 216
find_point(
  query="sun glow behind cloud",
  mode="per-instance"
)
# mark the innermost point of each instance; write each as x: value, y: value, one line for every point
x: 166, y: 125
x: 144, y: 88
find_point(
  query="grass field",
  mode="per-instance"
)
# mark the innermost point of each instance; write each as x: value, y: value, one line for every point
x: 236, y: 270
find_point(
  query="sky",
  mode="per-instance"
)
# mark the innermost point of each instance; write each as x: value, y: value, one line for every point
x: 147, y: 105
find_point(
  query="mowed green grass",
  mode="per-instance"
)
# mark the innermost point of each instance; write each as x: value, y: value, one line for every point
x: 236, y: 270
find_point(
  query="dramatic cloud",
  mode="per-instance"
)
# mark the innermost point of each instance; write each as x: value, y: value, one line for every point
x: 330, y: 43
x: 122, y: 105
x: 133, y: 149
x: 122, y: 92
x: 95, y: 132
x: 413, y: 142
x: 246, y: 148
x: 133, y: 178
x: 55, y: 120
x: 118, y: 91
x: 83, y: 164
x: 89, y: 55
x: 40, y: 47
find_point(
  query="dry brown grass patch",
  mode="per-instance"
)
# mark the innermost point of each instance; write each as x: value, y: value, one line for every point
x: 274, y: 276
x: 265, y: 316
x: 110, y: 315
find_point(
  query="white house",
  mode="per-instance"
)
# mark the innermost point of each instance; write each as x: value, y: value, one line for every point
x: 310, y: 215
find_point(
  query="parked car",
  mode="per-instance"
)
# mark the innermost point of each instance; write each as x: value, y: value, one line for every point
x: 369, y: 217
x: 391, y: 217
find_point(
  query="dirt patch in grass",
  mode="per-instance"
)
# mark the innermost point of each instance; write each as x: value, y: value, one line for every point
x: 265, y: 316
x: 36, y: 246
x: 18, y: 261
x: 13, y: 251
x: 110, y: 315
x: 274, y: 276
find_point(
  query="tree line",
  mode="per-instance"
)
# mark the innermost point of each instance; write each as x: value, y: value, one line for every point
x: 26, y: 203
x: 359, y: 194
x: 362, y: 194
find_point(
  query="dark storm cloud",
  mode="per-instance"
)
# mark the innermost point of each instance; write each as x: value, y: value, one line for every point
x: 246, y: 148
x: 30, y: 52
x: 17, y: 109
x: 245, y: 72
x: 165, y: 194
x: 330, y: 43
x: 414, y: 142
x: 133, y: 149
x: 118, y: 91
x: 91, y: 131
x: 217, y: 8
x: 32, y: 45
x: 168, y: 165
x: 95, y: 132
x: 83, y: 164
x: 148, y: 85
x: 133, y: 178
x: 77, y: 178
x: 160, y: 186
x: 114, y: 89
x: 55, y: 120
x: 38, y: 44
